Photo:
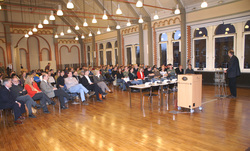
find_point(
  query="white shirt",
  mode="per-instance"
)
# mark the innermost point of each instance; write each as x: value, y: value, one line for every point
x: 87, y: 77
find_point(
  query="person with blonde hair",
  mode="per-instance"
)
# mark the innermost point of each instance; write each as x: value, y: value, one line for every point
x: 99, y: 80
x: 36, y: 94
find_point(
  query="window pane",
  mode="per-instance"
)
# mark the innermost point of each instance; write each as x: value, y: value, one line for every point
x: 163, y: 37
x: 247, y: 52
x: 163, y: 54
x: 101, y: 57
x: 137, y: 49
x: 222, y: 46
x: 109, y: 57
x: 200, y: 53
x: 176, y: 54
x: 128, y: 55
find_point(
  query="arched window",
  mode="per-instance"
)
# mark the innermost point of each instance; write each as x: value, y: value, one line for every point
x: 101, y: 46
x: 200, y: 40
x: 224, y: 41
x: 176, y: 48
x: 163, y: 38
x: 108, y: 45
x: 247, y: 46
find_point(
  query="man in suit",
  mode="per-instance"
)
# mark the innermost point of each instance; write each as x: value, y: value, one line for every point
x: 7, y: 101
x: 51, y: 92
x: 88, y: 84
x: 232, y: 71
x: 20, y: 94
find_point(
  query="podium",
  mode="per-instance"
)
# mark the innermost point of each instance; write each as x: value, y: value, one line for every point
x: 189, y: 91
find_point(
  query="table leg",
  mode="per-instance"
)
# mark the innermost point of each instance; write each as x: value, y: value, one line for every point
x: 130, y: 96
x: 161, y: 95
x: 141, y: 97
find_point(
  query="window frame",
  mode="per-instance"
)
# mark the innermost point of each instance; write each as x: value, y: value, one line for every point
x: 243, y: 60
x: 126, y: 57
x: 172, y: 52
x: 193, y: 52
x: 159, y: 49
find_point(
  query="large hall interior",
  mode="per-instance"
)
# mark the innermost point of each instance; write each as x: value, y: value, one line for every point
x: 149, y: 75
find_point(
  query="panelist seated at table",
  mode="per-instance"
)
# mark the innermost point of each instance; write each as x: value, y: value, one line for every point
x: 179, y: 70
x: 171, y: 72
x: 149, y: 74
x: 189, y: 70
x: 133, y: 78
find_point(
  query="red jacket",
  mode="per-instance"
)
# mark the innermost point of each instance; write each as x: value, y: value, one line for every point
x: 139, y: 75
x: 30, y: 92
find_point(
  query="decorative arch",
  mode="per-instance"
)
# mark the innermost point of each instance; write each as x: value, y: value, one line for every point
x: 4, y: 62
x: 27, y: 57
x: 46, y: 49
x: 108, y: 45
x: 177, y: 19
x: 60, y: 49
x: 224, y: 29
x: 78, y: 52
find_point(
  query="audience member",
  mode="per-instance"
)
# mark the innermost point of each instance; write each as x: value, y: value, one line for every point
x: 179, y: 70
x: 99, y: 80
x: 189, y: 70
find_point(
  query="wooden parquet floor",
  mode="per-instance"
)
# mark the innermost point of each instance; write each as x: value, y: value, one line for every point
x: 222, y: 125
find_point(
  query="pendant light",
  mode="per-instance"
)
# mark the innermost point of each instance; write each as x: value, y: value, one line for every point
x: 77, y: 27
x: 108, y: 29
x: 45, y: 21
x: 85, y: 24
x: 70, y: 5
x: 98, y: 32
x: 62, y: 33
x: 90, y: 34
x: 56, y: 36
x: 82, y: 36
x: 94, y: 21
x: 128, y: 23
x: 34, y: 29
x: 0, y: 7
x: 104, y: 17
x: 156, y: 15
x: 118, y: 11
x: 177, y: 10
x: 52, y: 17
x: 118, y: 26
x: 69, y: 30
x: 204, y: 4
x: 26, y: 35
x: 76, y: 38
x: 139, y: 3
x: 140, y: 20
x: 30, y: 32
x: 59, y: 11
x: 40, y: 24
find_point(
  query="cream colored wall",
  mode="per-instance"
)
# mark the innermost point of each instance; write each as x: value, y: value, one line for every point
x: 69, y: 57
x: 23, y: 58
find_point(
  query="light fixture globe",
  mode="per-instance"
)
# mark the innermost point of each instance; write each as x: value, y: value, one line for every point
x: 156, y: 15
x: 139, y: 3
x: 69, y: 30
x: 30, y: 32
x: 128, y: 23
x: 59, y: 11
x: 45, y: 21
x: 98, y: 32
x: 85, y: 24
x: 70, y: 5
x: 140, y: 20
x: 34, y: 29
x: 94, y: 21
x: 177, y: 10
x: 40, y: 24
x: 77, y: 27
x: 104, y: 17
x: 204, y: 4
x: 108, y: 29
x: 118, y: 27
x: 90, y: 34
x: 56, y: 36
x: 82, y: 37
x: 118, y: 11
x: 52, y: 17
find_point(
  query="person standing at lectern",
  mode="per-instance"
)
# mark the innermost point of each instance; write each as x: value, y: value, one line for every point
x: 232, y: 71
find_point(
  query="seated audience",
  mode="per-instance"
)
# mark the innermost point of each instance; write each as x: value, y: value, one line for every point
x: 75, y: 75
x: 179, y: 70
x: 51, y: 79
x: 120, y: 80
x: 99, y: 80
x: 88, y: 84
x: 23, y: 78
x: 36, y: 94
x: 51, y: 92
x: 8, y: 102
x: 74, y: 87
x: 20, y: 94
x: 60, y: 81
x: 140, y: 74
x: 132, y: 77
x: 171, y: 72
x: 189, y: 70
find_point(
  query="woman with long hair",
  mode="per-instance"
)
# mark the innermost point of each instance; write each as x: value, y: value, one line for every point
x: 99, y: 80
x: 36, y: 94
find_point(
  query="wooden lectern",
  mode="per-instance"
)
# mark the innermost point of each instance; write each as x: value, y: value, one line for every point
x: 189, y: 91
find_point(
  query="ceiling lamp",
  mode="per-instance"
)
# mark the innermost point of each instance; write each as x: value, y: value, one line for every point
x: 34, y: 29
x: 139, y: 3
x: 200, y: 32
x: 90, y: 34
x: 82, y: 36
x: 59, y: 11
x: 69, y: 30
x: 247, y: 26
x: 85, y: 24
x: 62, y: 33
x: 128, y: 23
x: 108, y: 29
x: 26, y: 35
x: 77, y: 27
x: 177, y: 10
x: 104, y: 17
x: 98, y: 32
x: 118, y: 26
x: 118, y: 11
x: 140, y: 20
x: 94, y: 20
x: 40, y: 24
x: 204, y: 4
x: 56, y: 36
x: 45, y: 21
x: 227, y: 29
x: 76, y: 38
x: 52, y: 17
x: 70, y: 5
x: 30, y: 32
x: 0, y: 7
x: 156, y: 15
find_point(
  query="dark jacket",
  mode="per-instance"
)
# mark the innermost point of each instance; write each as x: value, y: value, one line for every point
x: 178, y: 71
x: 85, y: 82
x: 60, y: 81
x: 132, y: 76
x: 16, y: 91
x: 6, y: 99
x: 233, y: 67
